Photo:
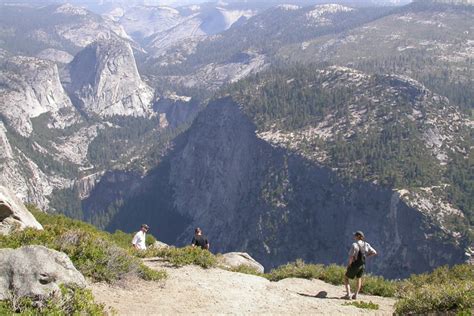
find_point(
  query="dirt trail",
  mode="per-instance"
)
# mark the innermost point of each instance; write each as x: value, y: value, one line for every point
x: 214, y: 291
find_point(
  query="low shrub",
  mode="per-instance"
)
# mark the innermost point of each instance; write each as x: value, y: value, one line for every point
x: 364, y: 305
x: 444, y: 274
x: 151, y: 275
x: 243, y: 268
x: 97, y: 258
x: 455, y: 297
x: 443, y: 290
x: 188, y: 255
x: 332, y: 274
x: 73, y: 301
x: 148, y: 253
x: 96, y: 254
x: 297, y: 269
x: 122, y: 239
x: 376, y: 285
x: 150, y: 240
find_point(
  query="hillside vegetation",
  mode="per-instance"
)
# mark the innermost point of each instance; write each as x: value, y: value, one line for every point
x: 98, y: 255
x: 102, y: 256
x: 371, y: 127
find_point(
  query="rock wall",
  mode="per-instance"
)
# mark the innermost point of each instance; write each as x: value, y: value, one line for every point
x: 13, y: 214
x: 104, y: 81
x: 30, y: 87
x: 249, y: 196
x: 36, y: 272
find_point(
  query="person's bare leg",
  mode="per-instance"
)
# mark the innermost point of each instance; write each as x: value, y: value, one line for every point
x: 348, y: 286
x: 358, y: 287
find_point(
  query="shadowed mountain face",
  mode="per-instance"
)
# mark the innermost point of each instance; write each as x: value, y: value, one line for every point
x: 278, y: 206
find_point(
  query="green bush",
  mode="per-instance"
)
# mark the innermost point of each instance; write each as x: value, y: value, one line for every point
x: 243, y: 268
x: 455, y: 297
x: 97, y: 258
x: 332, y: 274
x: 442, y: 274
x: 122, y: 239
x: 443, y: 290
x: 364, y: 305
x: 96, y: 254
x: 73, y: 301
x: 298, y: 269
x: 148, y: 253
x: 376, y: 285
x: 188, y: 255
x: 151, y: 275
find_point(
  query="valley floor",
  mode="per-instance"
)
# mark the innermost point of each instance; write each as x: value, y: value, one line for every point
x: 192, y: 289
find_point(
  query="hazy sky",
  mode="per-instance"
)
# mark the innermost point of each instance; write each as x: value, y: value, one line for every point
x: 101, y: 3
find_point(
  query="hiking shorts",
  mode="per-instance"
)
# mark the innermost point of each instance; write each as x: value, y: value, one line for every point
x: 355, y: 272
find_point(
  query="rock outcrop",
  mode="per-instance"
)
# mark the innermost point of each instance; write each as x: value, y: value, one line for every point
x: 159, y: 245
x: 30, y: 87
x: 104, y: 81
x: 13, y: 214
x: 23, y: 175
x: 36, y: 272
x: 236, y: 259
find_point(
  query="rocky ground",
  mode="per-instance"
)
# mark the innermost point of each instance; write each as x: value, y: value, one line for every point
x: 192, y: 289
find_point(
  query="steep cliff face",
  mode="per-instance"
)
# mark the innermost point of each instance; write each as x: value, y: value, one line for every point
x: 278, y: 206
x: 30, y: 87
x: 30, y: 91
x: 22, y: 174
x: 104, y: 81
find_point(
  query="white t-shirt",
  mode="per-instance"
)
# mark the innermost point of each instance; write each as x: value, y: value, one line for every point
x: 139, y: 240
x: 363, y: 246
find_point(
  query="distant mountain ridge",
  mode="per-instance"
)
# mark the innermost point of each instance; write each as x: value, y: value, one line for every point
x: 453, y: 2
x: 65, y: 28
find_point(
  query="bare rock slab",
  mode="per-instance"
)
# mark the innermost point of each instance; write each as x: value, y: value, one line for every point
x: 159, y: 245
x: 14, y: 214
x: 36, y: 271
x: 236, y: 259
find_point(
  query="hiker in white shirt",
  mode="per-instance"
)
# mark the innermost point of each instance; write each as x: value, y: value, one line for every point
x: 359, y: 251
x: 138, y: 241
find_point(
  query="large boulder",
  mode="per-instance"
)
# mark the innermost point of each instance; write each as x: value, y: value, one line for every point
x: 236, y: 259
x: 36, y: 272
x: 159, y: 245
x: 13, y: 214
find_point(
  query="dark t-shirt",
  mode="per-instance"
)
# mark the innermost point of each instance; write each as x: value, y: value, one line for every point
x: 200, y: 241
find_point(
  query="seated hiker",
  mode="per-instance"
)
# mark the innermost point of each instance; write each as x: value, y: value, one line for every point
x: 138, y: 241
x: 199, y: 239
x: 359, y: 251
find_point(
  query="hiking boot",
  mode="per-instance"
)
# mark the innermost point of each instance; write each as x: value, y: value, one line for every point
x: 354, y: 297
x: 346, y: 297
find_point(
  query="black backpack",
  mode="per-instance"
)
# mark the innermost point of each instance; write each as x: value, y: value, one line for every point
x: 360, y: 260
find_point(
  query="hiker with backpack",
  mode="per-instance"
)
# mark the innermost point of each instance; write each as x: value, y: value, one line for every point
x: 359, y: 251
